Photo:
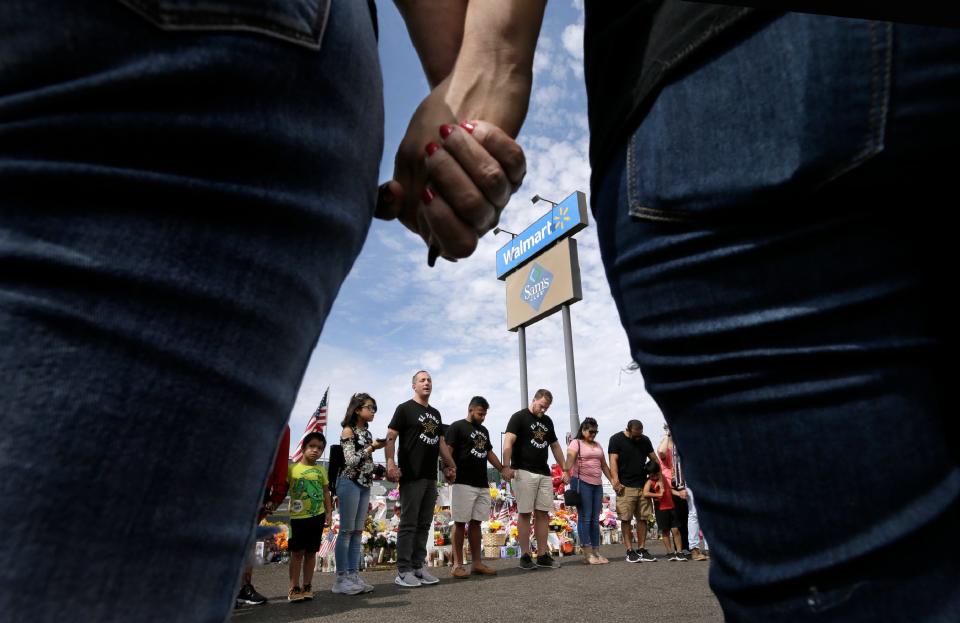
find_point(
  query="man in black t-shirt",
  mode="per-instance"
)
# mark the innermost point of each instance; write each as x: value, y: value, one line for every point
x: 470, y: 445
x: 629, y: 451
x: 421, y: 442
x: 529, y: 433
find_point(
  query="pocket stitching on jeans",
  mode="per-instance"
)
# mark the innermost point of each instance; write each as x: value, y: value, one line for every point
x: 882, y: 69
x: 634, y: 208
x: 212, y: 20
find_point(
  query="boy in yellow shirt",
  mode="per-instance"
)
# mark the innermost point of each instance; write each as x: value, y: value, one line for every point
x: 309, y: 514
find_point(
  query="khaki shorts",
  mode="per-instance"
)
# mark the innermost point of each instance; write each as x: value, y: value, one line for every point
x: 631, y: 503
x: 470, y: 503
x: 533, y: 491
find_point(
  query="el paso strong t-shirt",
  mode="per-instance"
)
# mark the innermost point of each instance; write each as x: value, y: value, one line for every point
x: 470, y: 444
x: 534, y: 436
x: 419, y: 429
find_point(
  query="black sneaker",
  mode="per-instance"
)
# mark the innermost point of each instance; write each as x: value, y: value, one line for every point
x: 681, y: 557
x: 248, y: 596
x: 547, y: 561
x: 633, y: 556
x: 645, y: 556
x: 526, y: 563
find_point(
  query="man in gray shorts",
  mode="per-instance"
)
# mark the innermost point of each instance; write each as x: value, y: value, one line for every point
x: 529, y: 433
x: 470, y: 445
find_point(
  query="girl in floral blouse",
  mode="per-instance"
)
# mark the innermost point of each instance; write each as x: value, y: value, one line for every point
x: 353, y: 491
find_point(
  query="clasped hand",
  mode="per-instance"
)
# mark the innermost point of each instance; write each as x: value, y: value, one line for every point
x: 451, y: 179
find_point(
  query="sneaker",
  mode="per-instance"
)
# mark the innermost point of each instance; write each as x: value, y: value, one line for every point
x: 359, y: 581
x: 295, y: 594
x: 696, y: 554
x: 633, y: 556
x: 426, y: 577
x: 344, y: 585
x: 307, y: 592
x: 681, y: 557
x: 408, y: 579
x: 526, y: 563
x: 249, y: 596
x: 547, y: 561
x: 646, y: 556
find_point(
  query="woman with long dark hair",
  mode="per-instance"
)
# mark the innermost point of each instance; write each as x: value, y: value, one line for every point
x: 353, y: 491
x: 586, y: 460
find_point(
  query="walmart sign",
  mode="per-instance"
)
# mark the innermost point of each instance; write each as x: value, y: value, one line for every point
x: 565, y: 219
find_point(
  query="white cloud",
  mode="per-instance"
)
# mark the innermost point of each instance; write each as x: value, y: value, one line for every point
x: 573, y: 40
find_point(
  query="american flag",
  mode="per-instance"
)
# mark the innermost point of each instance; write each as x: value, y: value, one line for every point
x: 329, y: 542
x: 504, y: 514
x: 315, y: 424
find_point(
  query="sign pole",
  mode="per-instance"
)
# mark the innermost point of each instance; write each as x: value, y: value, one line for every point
x: 571, y: 374
x: 524, y: 394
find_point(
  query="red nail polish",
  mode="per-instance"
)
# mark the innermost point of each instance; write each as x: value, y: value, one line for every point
x: 427, y: 195
x: 469, y: 127
x: 431, y: 148
x: 446, y: 130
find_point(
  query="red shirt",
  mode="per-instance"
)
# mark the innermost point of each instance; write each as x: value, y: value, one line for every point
x: 666, y: 502
x: 276, y: 488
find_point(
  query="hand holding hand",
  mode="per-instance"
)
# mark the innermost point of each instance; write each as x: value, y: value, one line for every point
x: 450, y: 473
x: 472, y: 169
x: 393, y: 473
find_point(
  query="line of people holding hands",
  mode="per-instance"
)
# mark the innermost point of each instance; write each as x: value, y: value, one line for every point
x: 416, y: 439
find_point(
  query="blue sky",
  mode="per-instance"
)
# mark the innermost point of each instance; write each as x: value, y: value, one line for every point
x: 394, y: 315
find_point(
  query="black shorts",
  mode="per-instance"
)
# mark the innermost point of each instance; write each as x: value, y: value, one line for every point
x: 667, y: 519
x: 306, y: 534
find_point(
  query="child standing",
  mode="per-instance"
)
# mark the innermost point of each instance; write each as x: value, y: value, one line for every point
x: 309, y: 514
x: 658, y: 489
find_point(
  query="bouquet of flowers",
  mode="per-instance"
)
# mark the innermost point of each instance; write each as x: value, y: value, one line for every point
x: 495, y: 526
x: 558, y: 524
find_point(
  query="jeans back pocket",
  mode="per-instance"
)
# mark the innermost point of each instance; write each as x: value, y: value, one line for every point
x: 299, y: 21
x: 777, y: 115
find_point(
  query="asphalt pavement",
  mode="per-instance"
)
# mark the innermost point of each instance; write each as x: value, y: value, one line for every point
x: 660, y: 591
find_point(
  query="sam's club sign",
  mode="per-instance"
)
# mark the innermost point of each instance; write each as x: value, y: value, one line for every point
x: 537, y: 285
x: 565, y: 219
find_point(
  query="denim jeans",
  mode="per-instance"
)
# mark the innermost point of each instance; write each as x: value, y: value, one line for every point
x: 588, y: 513
x: 693, y: 524
x: 417, y: 502
x: 353, y: 501
x: 774, y: 235
x: 178, y: 210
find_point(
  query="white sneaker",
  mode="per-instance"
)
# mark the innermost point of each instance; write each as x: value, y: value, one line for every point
x: 407, y: 579
x: 425, y: 576
x: 346, y: 586
x: 356, y: 579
